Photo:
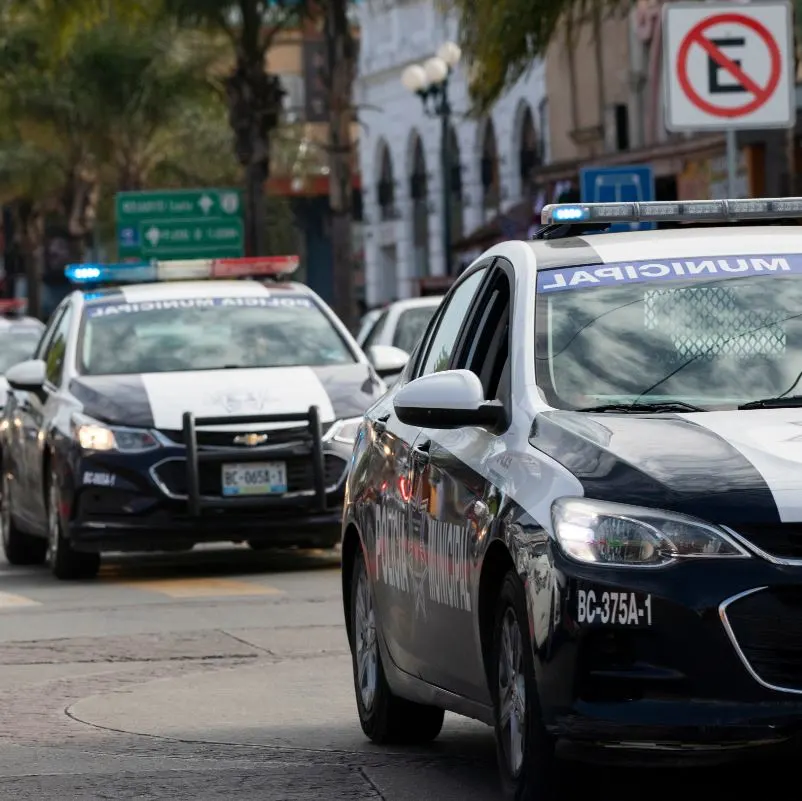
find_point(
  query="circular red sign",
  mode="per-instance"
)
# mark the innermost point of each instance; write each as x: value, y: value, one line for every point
x: 761, y: 93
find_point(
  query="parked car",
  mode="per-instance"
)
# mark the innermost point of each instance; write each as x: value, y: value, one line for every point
x: 398, y: 325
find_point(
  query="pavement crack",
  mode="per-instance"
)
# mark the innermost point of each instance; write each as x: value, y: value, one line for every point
x: 373, y: 786
x: 245, y: 642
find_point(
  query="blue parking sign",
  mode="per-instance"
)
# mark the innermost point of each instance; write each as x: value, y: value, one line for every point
x: 630, y: 184
x: 129, y: 237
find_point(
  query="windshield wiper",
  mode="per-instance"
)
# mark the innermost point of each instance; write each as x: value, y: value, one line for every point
x: 657, y: 406
x: 776, y: 403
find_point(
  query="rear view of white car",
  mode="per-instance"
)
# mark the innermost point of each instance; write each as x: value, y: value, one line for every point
x: 399, y: 325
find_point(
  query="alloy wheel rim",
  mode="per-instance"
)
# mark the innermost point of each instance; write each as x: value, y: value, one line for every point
x: 52, y: 524
x: 365, y: 642
x: 512, y: 692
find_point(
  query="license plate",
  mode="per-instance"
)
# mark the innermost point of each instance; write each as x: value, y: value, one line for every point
x: 601, y: 607
x: 255, y: 478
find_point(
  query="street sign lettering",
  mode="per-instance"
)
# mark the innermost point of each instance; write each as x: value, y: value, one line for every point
x: 180, y: 224
x: 728, y: 66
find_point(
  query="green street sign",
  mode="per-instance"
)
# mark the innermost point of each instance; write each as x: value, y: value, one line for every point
x: 180, y: 224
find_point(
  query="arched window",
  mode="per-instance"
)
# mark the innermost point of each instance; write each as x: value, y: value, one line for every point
x: 529, y: 155
x: 491, y: 184
x: 385, y: 186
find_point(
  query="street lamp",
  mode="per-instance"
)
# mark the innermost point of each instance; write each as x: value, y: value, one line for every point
x: 430, y: 82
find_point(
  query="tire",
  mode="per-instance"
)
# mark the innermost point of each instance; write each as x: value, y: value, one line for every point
x: 385, y: 718
x: 65, y: 562
x: 528, y: 771
x: 20, y: 548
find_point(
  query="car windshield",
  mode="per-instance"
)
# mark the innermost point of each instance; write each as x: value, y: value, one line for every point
x: 208, y: 334
x: 712, y: 333
x: 410, y: 327
x: 17, y: 346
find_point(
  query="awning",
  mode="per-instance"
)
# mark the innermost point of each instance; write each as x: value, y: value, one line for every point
x: 516, y: 222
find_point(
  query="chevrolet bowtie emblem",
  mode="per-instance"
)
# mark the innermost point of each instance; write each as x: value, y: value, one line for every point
x: 250, y: 439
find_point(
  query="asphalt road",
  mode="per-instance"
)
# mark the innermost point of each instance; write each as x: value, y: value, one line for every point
x: 224, y: 674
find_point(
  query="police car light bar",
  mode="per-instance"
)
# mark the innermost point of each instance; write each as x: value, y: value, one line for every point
x: 674, y: 211
x: 9, y: 306
x: 181, y: 270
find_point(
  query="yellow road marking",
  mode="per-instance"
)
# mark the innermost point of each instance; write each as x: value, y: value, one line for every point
x: 8, y: 599
x: 200, y: 587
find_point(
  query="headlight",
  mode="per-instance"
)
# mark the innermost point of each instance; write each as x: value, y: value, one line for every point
x: 616, y: 534
x: 343, y: 431
x: 94, y: 436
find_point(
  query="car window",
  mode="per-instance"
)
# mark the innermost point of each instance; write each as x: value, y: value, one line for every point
x: 711, y: 340
x: 376, y: 331
x: 209, y: 333
x: 47, y: 334
x: 56, y: 347
x: 411, y: 327
x: 484, y: 349
x: 17, y: 346
x: 444, y: 337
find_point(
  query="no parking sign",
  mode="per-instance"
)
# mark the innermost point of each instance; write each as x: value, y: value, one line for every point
x: 728, y: 65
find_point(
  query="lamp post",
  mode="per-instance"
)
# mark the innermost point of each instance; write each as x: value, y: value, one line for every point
x: 430, y: 82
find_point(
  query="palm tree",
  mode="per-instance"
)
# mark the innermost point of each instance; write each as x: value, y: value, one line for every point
x: 98, y: 105
x: 254, y: 95
x: 501, y: 38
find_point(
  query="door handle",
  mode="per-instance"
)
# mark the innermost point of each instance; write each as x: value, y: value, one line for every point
x: 380, y: 423
x: 420, y: 453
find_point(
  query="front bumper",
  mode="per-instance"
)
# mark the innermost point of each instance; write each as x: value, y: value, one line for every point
x: 702, y: 658
x: 171, y: 497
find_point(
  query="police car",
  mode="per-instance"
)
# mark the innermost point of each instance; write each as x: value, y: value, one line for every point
x: 163, y: 411
x: 577, y: 516
x: 19, y: 335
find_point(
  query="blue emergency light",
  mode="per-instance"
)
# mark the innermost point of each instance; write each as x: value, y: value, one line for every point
x: 674, y: 211
x: 122, y: 273
x: 180, y: 270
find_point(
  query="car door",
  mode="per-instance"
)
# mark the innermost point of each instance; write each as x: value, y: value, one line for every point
x: 397, y: 550
x: 457, y: 505
x: 38, y: 409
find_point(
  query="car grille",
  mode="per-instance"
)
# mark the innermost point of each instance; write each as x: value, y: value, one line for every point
x: 300, y: 474
x: 767, y: 626
x: 225, y: 439
x: 783, y: 540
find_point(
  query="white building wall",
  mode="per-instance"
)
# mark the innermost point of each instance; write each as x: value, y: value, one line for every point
x: 395, y: 34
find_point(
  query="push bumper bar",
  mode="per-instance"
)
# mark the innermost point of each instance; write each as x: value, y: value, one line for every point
x: 197, y: 502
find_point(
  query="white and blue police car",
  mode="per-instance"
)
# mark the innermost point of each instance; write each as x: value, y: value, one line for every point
x: 173, y: 403
x: 577, y: 516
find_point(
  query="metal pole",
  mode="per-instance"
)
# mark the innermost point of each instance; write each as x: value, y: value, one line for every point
x: 732, y: 163
x: 445, y: 152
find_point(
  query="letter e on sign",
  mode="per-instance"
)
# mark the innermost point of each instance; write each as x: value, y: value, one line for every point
x: 728, y: 65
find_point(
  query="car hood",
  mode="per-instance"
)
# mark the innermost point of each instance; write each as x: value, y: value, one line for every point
x: 4, y: 388
x: 726, y: 467
x: 159, y: 400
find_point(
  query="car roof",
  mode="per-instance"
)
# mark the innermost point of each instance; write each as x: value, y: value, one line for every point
x: 173, y: 290
x: 9, y: 324
x: 674, y: 243
x: 416, y: 303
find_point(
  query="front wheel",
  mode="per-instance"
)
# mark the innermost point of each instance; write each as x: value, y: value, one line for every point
x: 524, y: 749
x: 384, y: 717
x: 20, y: 548
x: 64, y: 561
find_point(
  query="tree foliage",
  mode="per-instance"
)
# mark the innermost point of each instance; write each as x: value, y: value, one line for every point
x: 501, y: 39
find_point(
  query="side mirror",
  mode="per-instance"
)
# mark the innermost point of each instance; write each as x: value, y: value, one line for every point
x: 28, y: 376
x: 449, y: 399
x: 386, y: 359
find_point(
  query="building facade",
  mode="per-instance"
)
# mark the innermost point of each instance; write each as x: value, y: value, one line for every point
x: 494, y: 159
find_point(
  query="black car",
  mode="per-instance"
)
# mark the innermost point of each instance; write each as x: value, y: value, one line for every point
x: 158, y: 415
x: 577, y: 517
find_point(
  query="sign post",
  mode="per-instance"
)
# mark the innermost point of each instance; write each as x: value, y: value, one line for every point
x: 180, y: 224
x: 729, y: 67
